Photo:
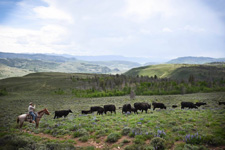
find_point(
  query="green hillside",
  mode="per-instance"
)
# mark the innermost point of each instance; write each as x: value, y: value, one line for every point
x: 42, y: 82
x: 180, y: 71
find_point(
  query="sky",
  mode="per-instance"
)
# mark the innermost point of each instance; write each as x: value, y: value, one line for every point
x: 156, y: 29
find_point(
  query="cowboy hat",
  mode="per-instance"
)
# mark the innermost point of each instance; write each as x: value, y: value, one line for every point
x: 30, y: 103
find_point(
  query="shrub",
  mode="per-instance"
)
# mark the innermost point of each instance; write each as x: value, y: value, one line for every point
x: 126, y: 131
x: 135, y: 131
x: 158, y: 143
x: 57, y: 146
x: 193, y: 147
x: 149, y: 135
x: 59, y: 92
x: 89, y: 148
x: 193, y: 139
x: 139, y: 139
x: 100, y: 133
x: 179, y: 146
x: 113, y: 137
x: 126, y: 141
x: 160, y: 133
x: 84, y: 138
x: 173, y: 123
x: 74, y: 128
x: 134, y: 147
x: 80, y: 132
x: 212, y: 140
x: 176, y: 128
x: 3, y: 92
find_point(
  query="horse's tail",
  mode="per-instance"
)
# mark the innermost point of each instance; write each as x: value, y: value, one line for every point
x: 17, y: 120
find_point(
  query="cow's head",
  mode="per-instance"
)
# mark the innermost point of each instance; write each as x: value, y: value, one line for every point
x: 70, y: 111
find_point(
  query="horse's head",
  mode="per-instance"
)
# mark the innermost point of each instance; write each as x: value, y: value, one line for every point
x: 47, y: 112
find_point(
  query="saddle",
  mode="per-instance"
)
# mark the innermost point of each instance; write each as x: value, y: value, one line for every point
x: 29, y: 118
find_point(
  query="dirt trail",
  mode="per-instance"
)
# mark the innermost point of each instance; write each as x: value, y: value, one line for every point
x: 102, y: 142
x: 90, y: 142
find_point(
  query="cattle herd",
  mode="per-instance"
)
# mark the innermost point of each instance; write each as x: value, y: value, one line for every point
x: 142, y: 106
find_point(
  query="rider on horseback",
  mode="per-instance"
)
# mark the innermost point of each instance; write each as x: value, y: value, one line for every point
x: 31, y: 111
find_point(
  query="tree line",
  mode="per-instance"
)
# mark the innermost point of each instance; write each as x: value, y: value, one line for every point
x: 119, y: 85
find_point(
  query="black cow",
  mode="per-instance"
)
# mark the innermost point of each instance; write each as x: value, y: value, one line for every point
x: 61, y: 113
x: 174, y: 106
x: 100, y: 111
x: 85, y: 112
x: 188, y: 104
x: 126, y: 108
x: 221, y: 103
x: 95, y: 108
x: 134, y: 110
x: 198, y: 104
x: 142, y: 106
x: 111, y: 108
x: 158, y: 105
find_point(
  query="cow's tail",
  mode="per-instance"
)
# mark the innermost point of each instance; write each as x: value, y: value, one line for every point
x: 17, y: 120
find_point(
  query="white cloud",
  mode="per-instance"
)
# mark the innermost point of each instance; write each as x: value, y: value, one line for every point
x: 27, y: 40
x: 52, y: 13
x: 142, y: 10
x: 121, y: 27
x: 193, y: 29
x: 166, y: 29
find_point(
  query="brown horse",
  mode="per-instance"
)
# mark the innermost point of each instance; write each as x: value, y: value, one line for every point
x: 24, y: 117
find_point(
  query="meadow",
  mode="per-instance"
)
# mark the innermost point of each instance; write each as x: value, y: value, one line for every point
x: 187, y: 129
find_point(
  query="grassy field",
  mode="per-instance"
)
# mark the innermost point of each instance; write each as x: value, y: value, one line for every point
x: 159, y: 129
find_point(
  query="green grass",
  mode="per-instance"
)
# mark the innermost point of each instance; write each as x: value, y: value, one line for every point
x: 208, y: 120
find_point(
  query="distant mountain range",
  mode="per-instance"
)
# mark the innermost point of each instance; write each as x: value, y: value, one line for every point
x: 44, y: 57
x: 195, y: 60
x: 12, y: 65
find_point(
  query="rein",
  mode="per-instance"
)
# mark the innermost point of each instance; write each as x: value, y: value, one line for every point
x: 38, y: 114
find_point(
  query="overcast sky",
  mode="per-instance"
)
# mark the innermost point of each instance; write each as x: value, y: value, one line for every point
x: 157, y: 29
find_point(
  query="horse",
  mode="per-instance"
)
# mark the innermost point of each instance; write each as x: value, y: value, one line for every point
x: 24, y: 117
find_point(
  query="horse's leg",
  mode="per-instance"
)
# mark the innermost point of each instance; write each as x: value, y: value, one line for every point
x: 37, y: 123
x: 21, y: 124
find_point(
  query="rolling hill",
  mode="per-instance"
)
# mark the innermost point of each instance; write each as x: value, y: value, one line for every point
x: 181, y: 71
x: 195, y: 60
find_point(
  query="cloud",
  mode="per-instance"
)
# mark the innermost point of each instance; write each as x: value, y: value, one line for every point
x: 150, y: 28
x: 143, y: 10
x: 47, y: 39
x: 52, y: 13
x: 166, y: 29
